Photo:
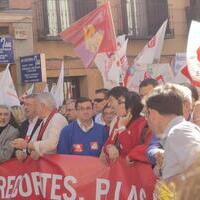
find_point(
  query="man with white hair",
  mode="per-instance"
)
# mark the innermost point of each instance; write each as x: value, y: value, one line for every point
x: 45, y: 140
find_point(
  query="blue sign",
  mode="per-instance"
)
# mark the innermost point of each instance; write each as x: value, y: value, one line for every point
x: 32, y: 68
x: 6, y: 50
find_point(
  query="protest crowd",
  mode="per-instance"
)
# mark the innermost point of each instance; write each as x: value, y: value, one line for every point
x: 158, y: 126
x: 155, y: 124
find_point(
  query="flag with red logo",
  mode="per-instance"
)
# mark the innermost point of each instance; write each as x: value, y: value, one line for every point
x: 193, y: 53
x: 161, y: 72
x: 152, y: 50
x: 186, y: 73
x: 92, y: 34
x: 113, y: 65
x: 150, y: 53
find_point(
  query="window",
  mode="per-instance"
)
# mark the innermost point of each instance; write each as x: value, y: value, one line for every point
x: 71, y: 86
x: 4, y: 4
x: 192, y: 12
x: 4, y: 30
x: 57, y: 15
x: 142, y: 18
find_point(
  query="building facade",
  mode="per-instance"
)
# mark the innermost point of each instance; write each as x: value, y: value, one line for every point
x: 35, y: 24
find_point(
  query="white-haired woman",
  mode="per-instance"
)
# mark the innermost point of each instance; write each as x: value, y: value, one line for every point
x: 7, y: 134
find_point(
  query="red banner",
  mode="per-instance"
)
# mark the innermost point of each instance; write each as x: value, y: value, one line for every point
x: 75, y: 177
x: 92, y: 34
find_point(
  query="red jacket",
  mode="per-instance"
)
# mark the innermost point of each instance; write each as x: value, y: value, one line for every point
x: 133, y: 141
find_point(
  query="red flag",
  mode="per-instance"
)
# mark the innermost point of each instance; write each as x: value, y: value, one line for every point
x: 92, y: 34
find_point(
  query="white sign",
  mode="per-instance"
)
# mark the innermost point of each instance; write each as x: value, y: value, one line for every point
x: 193, y: 51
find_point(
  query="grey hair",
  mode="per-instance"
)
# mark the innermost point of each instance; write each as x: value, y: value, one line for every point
x: 47, y: 99
x: 5, y: 107
x: 183, y: 91
x: 186, y: 92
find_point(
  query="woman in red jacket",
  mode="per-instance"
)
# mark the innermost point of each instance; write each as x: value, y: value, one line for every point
x: 130, y: 135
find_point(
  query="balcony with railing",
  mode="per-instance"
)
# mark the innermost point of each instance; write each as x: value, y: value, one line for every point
x: 53, y: 16
x: 4, y: 4
x: 142, y: 18
x: 139, y: 19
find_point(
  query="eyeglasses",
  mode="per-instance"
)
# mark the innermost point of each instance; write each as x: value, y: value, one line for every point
x: 98, y: 100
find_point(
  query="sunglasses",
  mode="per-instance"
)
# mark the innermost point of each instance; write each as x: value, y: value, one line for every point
x: 98, y: 100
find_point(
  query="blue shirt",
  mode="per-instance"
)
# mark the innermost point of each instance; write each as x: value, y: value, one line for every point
x: 73, y: 140
x: 153, y: 148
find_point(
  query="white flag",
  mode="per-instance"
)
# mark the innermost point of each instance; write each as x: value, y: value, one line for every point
x: 161, y: 72
x: 179, y: 62
x: 30, y: 90
x: 27, y: 92
x: 46, y: 89
x: 8, y: 94
x: 113, y: 65
x: 193, y: 51
x: 59, y: 90
x: 152, y: 50
x: 53, y: 89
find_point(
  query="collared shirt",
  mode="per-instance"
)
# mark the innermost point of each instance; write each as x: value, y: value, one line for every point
x: 99, y: 119
x: 31, y: 126
x: 182, y: 146
x: 51, y: 134
x: 172, y: 123
x: 73, y: 140
x: 83, y: 128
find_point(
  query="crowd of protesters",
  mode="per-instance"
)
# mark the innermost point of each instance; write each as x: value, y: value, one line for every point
x: 158, y: 126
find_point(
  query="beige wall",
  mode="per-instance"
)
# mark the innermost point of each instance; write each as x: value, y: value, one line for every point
x: 91, y: 78
x: 21, y: 4
x: 177, y: 22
